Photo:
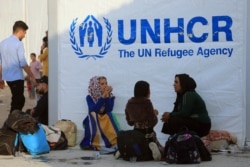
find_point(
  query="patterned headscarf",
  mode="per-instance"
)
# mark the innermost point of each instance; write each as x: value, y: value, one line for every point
x: 94, y: 88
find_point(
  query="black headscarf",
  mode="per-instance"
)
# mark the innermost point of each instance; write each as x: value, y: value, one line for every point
x: 187, y: 84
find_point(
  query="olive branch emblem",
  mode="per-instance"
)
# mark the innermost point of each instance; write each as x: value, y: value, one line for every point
x: 104, y: 49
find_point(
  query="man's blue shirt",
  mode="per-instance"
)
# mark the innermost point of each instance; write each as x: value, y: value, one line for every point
x: 12, y: 59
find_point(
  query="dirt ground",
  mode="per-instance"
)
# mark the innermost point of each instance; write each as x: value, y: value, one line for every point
x: 5, y: 100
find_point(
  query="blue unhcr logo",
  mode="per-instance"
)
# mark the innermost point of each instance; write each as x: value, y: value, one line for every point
x: 89, y: 30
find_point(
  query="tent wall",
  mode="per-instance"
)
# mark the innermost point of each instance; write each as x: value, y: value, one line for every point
x: 70, y: 74
x: 34, y: 13
x: 248, y: 77
x: 221, y: 78
x: 54, y: 103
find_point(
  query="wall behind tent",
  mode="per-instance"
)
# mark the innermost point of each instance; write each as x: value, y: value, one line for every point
x: 133, y: 41
x: 34, y: 13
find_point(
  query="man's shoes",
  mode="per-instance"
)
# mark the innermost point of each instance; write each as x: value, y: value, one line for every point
x: 155, y: 151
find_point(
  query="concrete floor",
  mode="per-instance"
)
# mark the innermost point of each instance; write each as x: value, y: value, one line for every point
x: 75, y: 157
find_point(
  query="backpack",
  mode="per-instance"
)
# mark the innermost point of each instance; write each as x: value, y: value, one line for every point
x: 181, y: 148
x: 133, y: 144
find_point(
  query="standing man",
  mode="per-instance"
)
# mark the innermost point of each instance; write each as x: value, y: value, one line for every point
x: 12, y: 64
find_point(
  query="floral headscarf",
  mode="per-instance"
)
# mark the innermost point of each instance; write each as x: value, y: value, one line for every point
x: 94, y: 88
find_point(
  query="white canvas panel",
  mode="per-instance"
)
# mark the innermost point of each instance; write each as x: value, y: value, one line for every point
x: 211, y: 48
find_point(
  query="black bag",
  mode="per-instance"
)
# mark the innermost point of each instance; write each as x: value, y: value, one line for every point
x: 132, y: 143
x: 62, y: 143
x: 181, y: 148
x: 7, y: 142
x: 56, y: 138
x: 204, y: 153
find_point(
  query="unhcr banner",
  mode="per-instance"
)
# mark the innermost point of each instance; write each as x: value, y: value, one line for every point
x: 127, y: 41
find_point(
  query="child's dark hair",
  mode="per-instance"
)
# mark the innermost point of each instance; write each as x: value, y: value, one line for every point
x: 33, y: 54
x: 141, y: 89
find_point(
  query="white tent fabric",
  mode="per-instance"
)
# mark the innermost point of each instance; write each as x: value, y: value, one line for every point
x: 145, y: 56
x: 34, y: 13
x: 221, y: 76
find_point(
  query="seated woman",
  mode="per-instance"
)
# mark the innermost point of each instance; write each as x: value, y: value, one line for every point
x: 189, y: 109
x: 142, y: 116
x: 101, y: 128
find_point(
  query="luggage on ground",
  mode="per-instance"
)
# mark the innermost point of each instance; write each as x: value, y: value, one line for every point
x: 186, y: 147
x: 70, y: 130
x: 181, y: 148
x: 133, y: 144
x: 35, y: 143
x: 56, y: 138
x: 7, y: 142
